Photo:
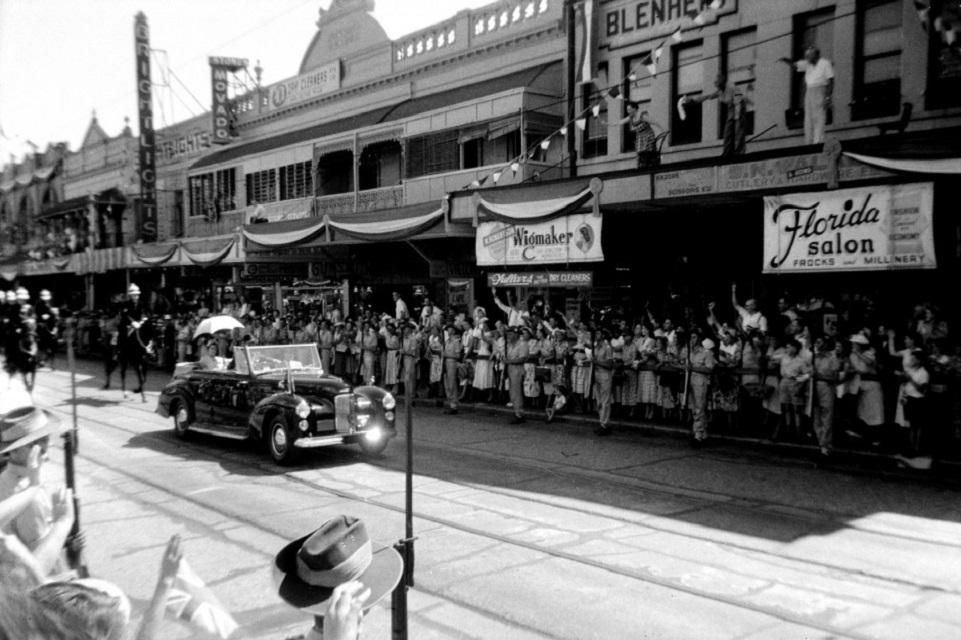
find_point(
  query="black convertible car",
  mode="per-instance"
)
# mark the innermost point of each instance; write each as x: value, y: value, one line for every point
x: 280, y: 396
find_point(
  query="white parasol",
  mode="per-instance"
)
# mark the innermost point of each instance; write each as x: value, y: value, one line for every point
x: 217, y: 323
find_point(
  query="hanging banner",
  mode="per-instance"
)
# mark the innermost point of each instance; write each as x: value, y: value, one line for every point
x: 219, y: 82
x: 869, y: 228
x: 147, y: 205
x: 574, y: 238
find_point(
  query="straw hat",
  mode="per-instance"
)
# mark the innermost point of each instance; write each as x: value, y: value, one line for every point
x: 25, y: 425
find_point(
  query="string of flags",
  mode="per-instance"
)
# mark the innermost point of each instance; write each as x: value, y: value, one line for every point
x: 649, y: 62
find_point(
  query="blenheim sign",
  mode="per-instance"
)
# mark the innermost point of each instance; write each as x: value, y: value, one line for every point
x: 870, y: 228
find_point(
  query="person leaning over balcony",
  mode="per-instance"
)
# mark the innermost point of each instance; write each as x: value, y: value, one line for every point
x: 818, y: 90
x: 645, y: 140
x: 735, y: 120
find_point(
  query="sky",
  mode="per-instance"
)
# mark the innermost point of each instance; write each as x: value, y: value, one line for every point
x: 62, y: 59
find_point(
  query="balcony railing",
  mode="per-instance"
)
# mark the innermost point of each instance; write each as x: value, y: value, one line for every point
x: 200, y: 227
x: 367, y: 200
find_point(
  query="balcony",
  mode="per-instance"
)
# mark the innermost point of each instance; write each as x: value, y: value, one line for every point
x: 367, y: 200
x: 200, y: 227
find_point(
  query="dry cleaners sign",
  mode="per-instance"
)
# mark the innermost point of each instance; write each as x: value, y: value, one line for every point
x: 871, y: 228
x: 575, y: 238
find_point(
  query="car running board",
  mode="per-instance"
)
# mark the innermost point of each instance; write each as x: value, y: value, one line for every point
x: 216, y: 431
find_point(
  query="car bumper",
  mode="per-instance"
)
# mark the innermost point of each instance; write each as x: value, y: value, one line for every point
x: 312, y: 442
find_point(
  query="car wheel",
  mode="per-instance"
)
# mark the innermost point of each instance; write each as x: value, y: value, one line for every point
x: 181, y: 420
x: 279, y: 443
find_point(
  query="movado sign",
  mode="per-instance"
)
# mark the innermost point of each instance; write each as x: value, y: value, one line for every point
x: 220, y: 67
x: 870, y: 228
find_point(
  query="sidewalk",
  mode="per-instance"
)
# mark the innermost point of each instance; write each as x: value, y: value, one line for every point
x: 848, y: 460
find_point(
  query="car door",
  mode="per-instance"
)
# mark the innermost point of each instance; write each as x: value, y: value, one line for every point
x: 203, y: 385
x: 231, y: 405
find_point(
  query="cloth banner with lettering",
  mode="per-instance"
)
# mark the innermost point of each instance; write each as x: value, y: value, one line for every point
x: 867, y: 228
x: 570, y: 239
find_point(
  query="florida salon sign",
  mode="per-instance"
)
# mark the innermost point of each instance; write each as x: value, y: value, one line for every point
x: 870, y: 228
x: 568, y: 239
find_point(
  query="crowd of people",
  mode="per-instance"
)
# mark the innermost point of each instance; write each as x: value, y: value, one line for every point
x: 817, y: 370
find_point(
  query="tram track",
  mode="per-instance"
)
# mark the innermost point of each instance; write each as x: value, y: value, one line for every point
x: 774, y: 612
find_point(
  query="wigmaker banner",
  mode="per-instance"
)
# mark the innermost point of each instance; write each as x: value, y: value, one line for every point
x: 574, y: 238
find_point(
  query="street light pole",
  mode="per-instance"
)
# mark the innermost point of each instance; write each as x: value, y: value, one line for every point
x: 405, y: 547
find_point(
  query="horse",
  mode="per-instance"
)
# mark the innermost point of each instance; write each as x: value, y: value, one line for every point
x: 136, y: 344
x: 21, y: 356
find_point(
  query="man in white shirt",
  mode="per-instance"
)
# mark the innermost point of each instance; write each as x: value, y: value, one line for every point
x: 400, y: 307
x: 818, y: 89
x: 751, y: 318
x: 516, y: 316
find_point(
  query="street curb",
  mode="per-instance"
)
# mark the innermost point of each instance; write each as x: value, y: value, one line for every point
x: 847, y: 460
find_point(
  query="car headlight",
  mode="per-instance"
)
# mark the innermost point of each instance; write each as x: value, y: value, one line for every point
x: 373, y: 435
x: 303, y: 409
x: 363, y: 402
x: 389, y: 401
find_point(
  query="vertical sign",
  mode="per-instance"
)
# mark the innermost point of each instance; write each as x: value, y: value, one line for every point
x: 147, y: 173
x: 220, y: 112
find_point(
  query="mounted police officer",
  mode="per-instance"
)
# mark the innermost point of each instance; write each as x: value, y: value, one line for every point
x: 48, y: 326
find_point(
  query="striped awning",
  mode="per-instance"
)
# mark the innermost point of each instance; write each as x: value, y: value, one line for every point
x: 284, y: 234
x: 537, y: 203
x: 101, y: 260
x: 394, y: 229
x: 207, y: 253
x: 154, y: 254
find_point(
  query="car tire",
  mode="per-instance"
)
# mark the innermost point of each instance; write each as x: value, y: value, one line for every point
x: 280, y: 446
x: 181, y: 418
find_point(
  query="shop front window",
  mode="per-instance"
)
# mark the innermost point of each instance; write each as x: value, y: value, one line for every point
x: 740, y: 60
x: 637, y: 87
x: 813, y: 28
x: 877, y: 62
x: 688, y: 82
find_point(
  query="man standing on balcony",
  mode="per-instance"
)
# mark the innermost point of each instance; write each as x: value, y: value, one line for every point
x: 818, y: 90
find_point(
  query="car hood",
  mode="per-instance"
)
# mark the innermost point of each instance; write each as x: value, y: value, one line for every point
x: 312, y: 383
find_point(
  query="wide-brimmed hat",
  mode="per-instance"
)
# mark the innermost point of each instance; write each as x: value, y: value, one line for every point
x: 861, y: 339
x: 307, y: 570
x: 24, y: 425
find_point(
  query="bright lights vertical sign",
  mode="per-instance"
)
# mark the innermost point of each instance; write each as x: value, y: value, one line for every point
x: 147, y: 231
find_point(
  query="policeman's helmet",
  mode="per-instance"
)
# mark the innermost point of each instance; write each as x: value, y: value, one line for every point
x: 22, y: 294
x: 11, y: 296
x: 45, y: 295
x: 134, y: 290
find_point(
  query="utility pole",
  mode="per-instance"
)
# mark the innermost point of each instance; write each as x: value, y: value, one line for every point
x: 569, y: 23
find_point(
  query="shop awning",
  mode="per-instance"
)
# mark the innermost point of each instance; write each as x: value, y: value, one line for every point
x: 101, y: 260
x: 933, y: 152
x: 207, y: 253
x: 284, y: 234
x: 390, y: 225
x: 537, y: 203
x: 154, y: 254
x: 73, y: 205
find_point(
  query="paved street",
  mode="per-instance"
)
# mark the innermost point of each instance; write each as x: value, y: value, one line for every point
x: 537, y: 531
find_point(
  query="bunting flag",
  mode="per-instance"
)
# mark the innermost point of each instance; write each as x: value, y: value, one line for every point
x: 496, y: 176
x: 515, y: 167
x: 535, y: 204
x: 191, y: 601
x: 596, y: 110
x: 698, y: 18
x: 676, y: 36
x: 545, y: 144
x: 632, y: 76
x: 414, y: 223
x: 154, y: 254
x: 716, y: 4
x: 563, y: 130
x: 651, y: 65
x: 658, y: 52
x: 581, y: 123
x: 207, y: 253
x: 614, y: 93
x: 283, y: 234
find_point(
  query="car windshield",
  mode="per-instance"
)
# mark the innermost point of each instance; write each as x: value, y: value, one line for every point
x: 281, y: 357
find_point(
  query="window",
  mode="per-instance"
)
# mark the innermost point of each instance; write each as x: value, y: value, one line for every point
x: 944, y: 58
x: 473, y: 153
x: 817, y: 28
x: 225, y: 185
x: 877, y: 61
x: 380, y: 165
x: 335, y: 172
x: 262, y: 186
x: 740, y: 60
x: 637, y: 87
x: 295, y: 181
x: 688, y: 80
x: 436, y: 153
x: 177, y: 223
